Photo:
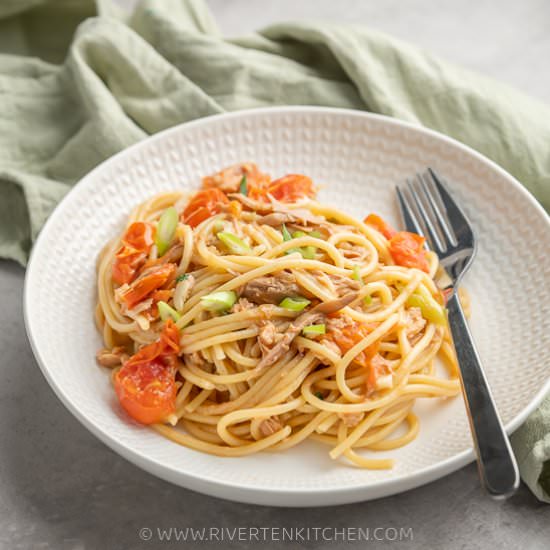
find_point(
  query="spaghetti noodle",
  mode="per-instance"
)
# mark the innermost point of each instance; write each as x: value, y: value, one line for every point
x: 250, y: 317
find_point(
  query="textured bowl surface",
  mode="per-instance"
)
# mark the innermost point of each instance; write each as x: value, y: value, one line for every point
x: 358, y: 158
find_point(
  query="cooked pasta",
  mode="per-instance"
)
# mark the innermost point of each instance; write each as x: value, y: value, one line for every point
x: 250, y: 317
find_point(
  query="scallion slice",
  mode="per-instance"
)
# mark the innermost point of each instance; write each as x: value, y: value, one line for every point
x: 167, y: 312
x: 166, y: 229
x: 298, y: 303
x: 243, y: 187
x: 286, y: 235
x: 307, y: 252
x: 219, y: 301
x: 314, y: 330
x: 233, y: 243
x: 431, y: 310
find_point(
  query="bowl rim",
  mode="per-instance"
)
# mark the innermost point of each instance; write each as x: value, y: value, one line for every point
x: 246, y: 492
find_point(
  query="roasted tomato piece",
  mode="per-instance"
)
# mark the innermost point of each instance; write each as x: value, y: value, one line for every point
x: 146, y: 383
x: 203, y: 205
x: 150, y: 280
x: 380, y: 225
x: 136, y: 244
x: 407, y: 250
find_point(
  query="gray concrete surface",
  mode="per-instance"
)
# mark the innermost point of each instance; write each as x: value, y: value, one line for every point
x: 60, y: 488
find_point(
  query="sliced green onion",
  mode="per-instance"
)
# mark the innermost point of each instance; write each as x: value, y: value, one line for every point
x: 286, y: 235
x: 182, y: 277
x: 167, y: 312
x: 316, y: 234
x: 308, y: 252
x: 319, y: 395
x: 367, y: 300
x: 166, y: 229
x: 314, y: 330
x: 233, y: 243
x: 431, y: 310
x: 243, y: 187
x: 219, y: 301
x: 295, y: 304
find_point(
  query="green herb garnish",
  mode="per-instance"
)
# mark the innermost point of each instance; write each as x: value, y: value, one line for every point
x: 243, y: 187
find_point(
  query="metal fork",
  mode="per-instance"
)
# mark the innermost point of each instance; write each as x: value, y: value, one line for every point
x: 429, y: 210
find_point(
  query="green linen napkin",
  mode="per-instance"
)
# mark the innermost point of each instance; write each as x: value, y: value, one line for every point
x: 80, y: 80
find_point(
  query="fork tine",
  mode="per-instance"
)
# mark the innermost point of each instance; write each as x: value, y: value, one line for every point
x: 407, y: 212
x: 441, y: 218
x: 456, y: 217
x: 435, y: 241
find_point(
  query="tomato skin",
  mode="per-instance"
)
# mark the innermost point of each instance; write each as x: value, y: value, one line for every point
x: 351, y: 335
x: 204, y: 204
x: 146, y: 391
x: 291, y: 188
x: 378, y: 223
x: 136, y: 244
x: 146, y: 383
x: 407, y: 250
x: 149, y: 281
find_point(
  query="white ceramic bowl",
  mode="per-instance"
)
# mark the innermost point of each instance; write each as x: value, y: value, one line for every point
x: 359, y: 158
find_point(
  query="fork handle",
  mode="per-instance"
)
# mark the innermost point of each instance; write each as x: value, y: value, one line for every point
x: 496, y: 462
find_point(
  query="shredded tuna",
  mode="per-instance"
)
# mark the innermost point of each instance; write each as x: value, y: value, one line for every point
x: 270, y: 425
x: 229, y: 179
x: 242, y: 304
x: 194, y: 359
x: 343, y: 285
x: 351, y: 419
x: 338, y: 323
x: 298, y: 215
x: 272, y: 289
x: 268, y: 336
x: 332, y: 346
x: 312, y: 317
x: 183, y: 289
x: 137, y: 310
x: 383, y: 366
x: 172, y: 255
x: 414, y: 323
x: 257, y: 206
x: 112, y: 358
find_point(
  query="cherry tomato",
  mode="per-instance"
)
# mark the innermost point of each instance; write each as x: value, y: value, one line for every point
x: 291, y: 188
x: 146, y: 391
x: 376, y: 222
x: 203, y: 205
x: 136, y: 244
x: 151, y: 279
x: 146, y: 383
x: 407, y: 250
